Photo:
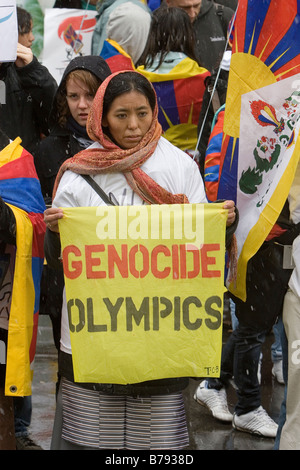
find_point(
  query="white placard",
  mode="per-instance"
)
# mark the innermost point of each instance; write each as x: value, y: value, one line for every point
x: 67, y: 34
x: 8, y: 31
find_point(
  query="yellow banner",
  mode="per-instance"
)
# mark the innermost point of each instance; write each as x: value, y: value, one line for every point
x: 144, y: 288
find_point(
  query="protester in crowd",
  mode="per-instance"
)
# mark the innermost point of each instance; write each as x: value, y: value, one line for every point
x: 68, y: 136
x: 29, y: 91
x: 20, y: 221
x: 68, y: 117
x: 290, y: 432
x: 127, y: 33
x: 169, y: 62
x: 210, y: 22
x: 166, y: 175
x: 105, y: 9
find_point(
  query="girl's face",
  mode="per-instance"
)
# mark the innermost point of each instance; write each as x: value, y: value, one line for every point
x: 128, y: 119
x: 79, y: 99
x: 26, y: 39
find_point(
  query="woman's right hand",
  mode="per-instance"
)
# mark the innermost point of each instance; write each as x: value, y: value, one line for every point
x: 51, y: 218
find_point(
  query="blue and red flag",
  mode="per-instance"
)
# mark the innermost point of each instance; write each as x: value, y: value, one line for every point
x: 260, y: 149
x: 115, y: 56
x: 179, y: 96
x: 212, y: 157
x: 20, y: 189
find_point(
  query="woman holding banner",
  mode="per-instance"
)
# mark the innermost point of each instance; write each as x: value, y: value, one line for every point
x: 134, y: 165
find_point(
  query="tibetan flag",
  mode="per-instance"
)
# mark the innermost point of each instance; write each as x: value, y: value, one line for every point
x: 20, y: 189
x: 179, y: 96
x: 115, y: 56
x: 260, y: 149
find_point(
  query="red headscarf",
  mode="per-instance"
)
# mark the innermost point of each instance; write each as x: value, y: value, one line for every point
x: 113, y: 159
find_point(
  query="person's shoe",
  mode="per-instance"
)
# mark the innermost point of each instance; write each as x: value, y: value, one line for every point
x: 25, y: 443
x: 277, y: 372
x: 255, y: 422
x: 214, y: 400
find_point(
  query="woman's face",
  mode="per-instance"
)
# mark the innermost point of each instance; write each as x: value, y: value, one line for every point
x: 128, y: 119
x: 79, y: 99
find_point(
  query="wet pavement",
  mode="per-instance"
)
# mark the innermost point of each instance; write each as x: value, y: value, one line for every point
x: 206, y: 433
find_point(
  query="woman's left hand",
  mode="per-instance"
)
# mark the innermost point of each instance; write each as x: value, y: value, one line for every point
x: 230, y: 206
x: 51, y: 217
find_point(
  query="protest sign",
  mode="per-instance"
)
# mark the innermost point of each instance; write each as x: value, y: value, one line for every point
x: 144, y: 288
x: 8, y: 31
x: 67, y: 34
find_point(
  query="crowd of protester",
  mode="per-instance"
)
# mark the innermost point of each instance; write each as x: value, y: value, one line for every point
x: 141, y: 54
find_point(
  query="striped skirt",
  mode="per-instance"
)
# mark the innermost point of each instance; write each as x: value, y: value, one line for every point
x: 92, y: 419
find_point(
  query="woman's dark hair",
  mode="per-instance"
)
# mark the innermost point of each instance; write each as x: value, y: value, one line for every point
x: 170, y: 31
x: 24, y: 19
x: 124, y: 83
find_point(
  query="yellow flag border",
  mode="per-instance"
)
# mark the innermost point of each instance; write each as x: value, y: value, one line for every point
x: 18, y: 372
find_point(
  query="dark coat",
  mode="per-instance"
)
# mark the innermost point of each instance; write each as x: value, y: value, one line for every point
x: 53, y: 151
x: 210, y: 29
x: 7, y: 225
x: 29, y: 92
x: 228, y: 3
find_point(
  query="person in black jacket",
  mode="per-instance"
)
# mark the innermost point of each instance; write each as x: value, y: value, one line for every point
x: 29, y: 91
x: 68, y: 136
x: 210, y: 23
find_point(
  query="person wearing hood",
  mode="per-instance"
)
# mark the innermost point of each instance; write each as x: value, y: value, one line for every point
x: 127, y: 34
x: 68, y: 136
x: 210, y: 22
x: 105, y: 9
x: 68, y: 117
